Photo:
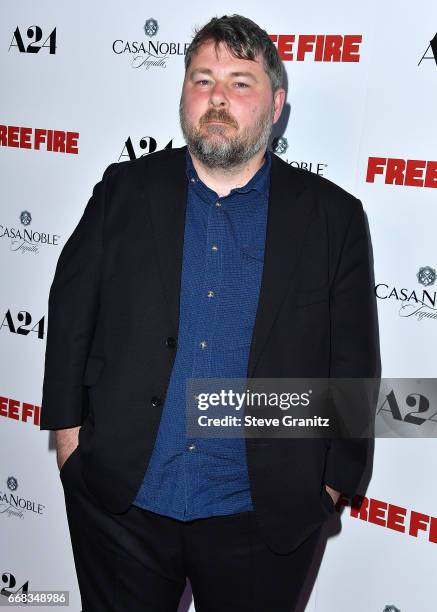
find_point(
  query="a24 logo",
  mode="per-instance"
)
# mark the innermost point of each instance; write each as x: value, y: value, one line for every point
x: 35, y: 34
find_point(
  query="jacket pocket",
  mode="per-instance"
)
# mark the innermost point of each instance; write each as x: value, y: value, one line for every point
x: 305, y: 298
x: 67, y: 462
x: 327, y: 501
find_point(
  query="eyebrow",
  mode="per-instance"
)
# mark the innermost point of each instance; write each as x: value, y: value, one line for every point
x: 237, y: 74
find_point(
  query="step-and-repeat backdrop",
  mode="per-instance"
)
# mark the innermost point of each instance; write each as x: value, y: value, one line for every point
x: 85, y: 84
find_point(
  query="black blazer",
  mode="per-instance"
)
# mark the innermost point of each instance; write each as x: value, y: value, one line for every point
x: 113, y: 319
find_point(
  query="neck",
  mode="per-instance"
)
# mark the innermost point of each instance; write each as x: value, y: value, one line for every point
x: 223, y: 180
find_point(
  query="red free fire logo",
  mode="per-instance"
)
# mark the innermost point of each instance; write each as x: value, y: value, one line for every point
x: 409, y: 172
x: 318, y: 47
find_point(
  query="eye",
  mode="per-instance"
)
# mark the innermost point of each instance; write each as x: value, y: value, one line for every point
x: 240, y: 85
x: 202, y: 82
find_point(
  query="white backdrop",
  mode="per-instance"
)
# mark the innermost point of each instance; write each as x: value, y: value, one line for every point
x: 341, y: 113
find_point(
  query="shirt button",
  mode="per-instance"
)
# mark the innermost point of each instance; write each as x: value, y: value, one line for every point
x: 155, y: 401
x: 192, y: 447
x: 218, y: 204
x: 203, y: 344
x: 170, y: 342
x: 193, y: 180
x: 210, y: 293
x: 214, y: 247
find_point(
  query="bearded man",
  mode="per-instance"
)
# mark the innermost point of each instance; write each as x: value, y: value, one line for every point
x: 214, y: 260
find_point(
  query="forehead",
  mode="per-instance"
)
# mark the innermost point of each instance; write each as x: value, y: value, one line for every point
x: 220, y: 58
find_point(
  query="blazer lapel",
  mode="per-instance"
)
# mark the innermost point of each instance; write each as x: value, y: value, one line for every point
x: 167, y: 194
x: 289, y: 213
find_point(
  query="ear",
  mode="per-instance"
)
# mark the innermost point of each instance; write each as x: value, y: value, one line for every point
x: 278, y: 103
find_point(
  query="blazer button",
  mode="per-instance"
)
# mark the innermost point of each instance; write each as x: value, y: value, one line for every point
x: 171, y: 342
x: 155, y: 401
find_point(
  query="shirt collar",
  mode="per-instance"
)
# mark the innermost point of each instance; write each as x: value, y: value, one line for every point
x: 259, y: 181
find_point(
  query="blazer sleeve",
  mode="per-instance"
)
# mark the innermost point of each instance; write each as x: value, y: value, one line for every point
x: 73, y: 306
x: 354, y: 349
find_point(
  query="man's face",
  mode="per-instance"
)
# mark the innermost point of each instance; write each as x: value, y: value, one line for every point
x: 227, y: 107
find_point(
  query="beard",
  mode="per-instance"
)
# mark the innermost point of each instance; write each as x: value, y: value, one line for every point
x: 214, y: 148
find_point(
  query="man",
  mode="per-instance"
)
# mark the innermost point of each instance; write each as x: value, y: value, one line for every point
x: 216, y: 260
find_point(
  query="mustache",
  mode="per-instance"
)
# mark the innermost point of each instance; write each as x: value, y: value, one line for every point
x: 217, y: 115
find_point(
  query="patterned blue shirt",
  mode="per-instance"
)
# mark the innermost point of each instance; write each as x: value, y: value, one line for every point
x: 223, y: 253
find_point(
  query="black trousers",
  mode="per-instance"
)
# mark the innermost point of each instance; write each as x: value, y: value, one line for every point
x: 139, y: 560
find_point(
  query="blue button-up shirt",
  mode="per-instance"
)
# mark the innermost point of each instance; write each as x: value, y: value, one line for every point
x: 222, y: 264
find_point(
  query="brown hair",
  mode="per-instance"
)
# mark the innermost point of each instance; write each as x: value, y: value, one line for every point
x: 244, y: 39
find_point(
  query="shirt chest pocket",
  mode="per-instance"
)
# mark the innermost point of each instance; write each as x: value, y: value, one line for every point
x: 251, y: 266
x: 240, y: 295
x: 249, y: 278
x: 251, y: 255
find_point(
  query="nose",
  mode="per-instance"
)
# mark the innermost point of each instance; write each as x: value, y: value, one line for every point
x: 218, y: 96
